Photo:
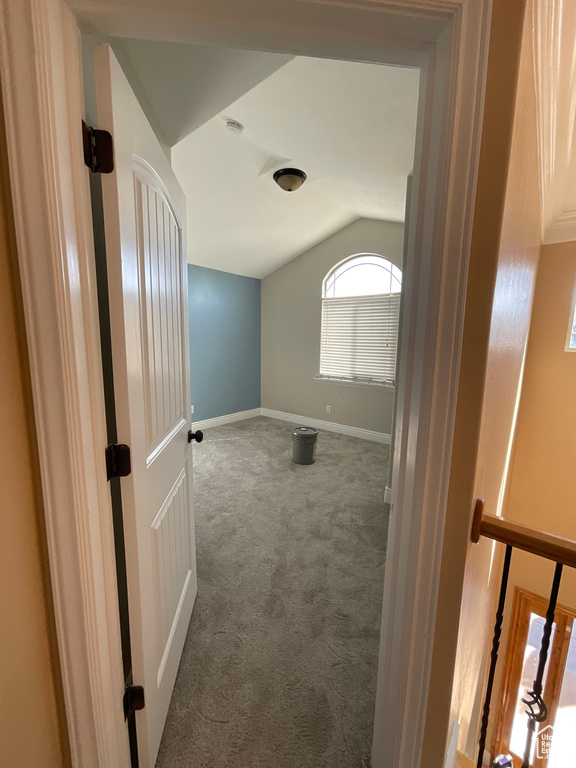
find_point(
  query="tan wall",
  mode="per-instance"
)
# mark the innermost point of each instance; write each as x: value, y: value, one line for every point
x: 542, y: 489
x: 518, y: 260
x: 31, y: 711
x: 542, y: 493
x: 291, y: 317
x: 503, y: 265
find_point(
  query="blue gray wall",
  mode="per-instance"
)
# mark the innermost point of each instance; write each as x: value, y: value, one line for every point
x: 224, y: 322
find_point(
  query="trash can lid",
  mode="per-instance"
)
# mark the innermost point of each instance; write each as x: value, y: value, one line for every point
x: 304, y: 432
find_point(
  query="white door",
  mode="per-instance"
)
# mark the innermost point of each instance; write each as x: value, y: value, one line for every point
x: 144, y: 213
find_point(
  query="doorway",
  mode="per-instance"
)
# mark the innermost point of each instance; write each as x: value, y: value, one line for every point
x: 356, y: 168
x: 459, y: 56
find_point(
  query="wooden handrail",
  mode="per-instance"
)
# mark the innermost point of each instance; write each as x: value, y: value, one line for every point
x: 546, y: 545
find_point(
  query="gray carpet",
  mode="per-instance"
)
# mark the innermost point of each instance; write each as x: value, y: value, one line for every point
x: 279, y: 665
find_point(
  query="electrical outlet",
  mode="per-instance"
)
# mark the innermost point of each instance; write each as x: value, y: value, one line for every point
x: 327, y: 409
x: 191, y: 409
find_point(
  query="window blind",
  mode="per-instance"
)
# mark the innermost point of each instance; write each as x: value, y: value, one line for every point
x: 359, y: 338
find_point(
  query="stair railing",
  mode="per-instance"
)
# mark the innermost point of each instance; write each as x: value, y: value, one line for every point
x: 559, y: 550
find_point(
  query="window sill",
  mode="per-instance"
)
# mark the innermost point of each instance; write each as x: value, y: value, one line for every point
x: 358, y: 384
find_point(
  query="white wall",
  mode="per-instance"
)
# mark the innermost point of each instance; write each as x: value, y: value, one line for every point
x: 291, y: 317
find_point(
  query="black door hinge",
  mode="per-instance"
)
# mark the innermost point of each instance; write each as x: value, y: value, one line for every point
x: 133, y: 699
x: 118, y: 460
x: 98, y: 149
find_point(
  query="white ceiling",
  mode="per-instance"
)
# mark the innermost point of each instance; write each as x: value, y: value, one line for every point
x: 350, y: 126
x: 184, y: 85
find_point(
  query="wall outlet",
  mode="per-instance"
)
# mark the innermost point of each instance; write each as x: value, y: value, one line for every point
x: 327, y: 409
x: 191, y: 409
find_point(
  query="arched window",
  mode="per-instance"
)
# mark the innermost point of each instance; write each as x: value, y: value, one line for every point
x: 363, y: 275
x: 360, y: 317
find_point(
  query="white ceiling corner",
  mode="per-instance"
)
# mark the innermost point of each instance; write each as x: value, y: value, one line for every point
x: 186, y: 84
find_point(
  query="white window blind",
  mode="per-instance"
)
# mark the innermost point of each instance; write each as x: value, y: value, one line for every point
x: 359, y: 338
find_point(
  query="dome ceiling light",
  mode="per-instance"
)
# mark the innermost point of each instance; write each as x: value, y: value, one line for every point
x: 290, y: 179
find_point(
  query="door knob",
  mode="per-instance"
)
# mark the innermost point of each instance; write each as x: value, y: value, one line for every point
x: 198, y: 436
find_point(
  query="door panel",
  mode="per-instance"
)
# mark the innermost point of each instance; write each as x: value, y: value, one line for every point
x: 160, y: 254
x: 172, y: 562
x: 144, y: 214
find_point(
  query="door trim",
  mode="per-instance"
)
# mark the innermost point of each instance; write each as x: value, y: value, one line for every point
x: 43, y: 99
x: 40, y: 62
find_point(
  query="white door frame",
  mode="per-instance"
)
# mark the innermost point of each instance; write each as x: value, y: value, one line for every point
x: 42, y: 92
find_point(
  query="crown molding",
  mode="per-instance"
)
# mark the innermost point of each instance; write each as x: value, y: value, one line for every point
x: 562, y: 229
x: 554, y: 31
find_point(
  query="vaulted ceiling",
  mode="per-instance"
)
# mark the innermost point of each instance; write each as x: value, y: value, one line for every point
x: 184, y: 85
x: 350, y: 126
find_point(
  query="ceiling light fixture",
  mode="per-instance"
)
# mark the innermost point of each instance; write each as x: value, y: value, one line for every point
x: 290, y: 179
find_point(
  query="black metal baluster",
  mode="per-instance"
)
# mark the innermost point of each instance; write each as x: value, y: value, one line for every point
x: 537, y: 710
x: 494, y: 655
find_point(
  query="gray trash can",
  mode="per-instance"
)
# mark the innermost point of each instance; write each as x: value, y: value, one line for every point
x: 304, y: 445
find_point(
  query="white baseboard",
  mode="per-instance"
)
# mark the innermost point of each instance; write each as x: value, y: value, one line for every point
x: 388, y: 495
x: 343, y: 429
x: 218, y: 421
